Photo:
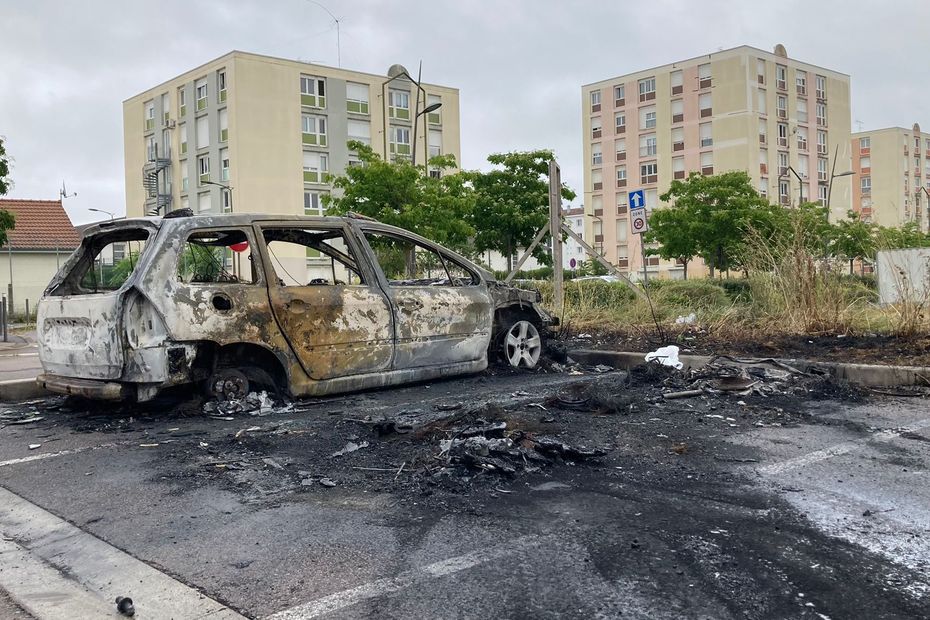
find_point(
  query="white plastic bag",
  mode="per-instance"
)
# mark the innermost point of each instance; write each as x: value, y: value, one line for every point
x: 667, y: 356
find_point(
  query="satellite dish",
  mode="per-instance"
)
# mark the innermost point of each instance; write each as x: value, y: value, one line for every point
x: 395, y: 70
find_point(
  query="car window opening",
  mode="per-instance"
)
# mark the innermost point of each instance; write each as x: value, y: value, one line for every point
x: 103, y: 264
x: 210, y: 257
x: 323, y: 257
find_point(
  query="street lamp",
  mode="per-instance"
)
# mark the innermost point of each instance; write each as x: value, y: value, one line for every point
x: 101, y: 211
x: 395, y: 72
x: 830, y: 185
x: 800, y: 183
x: 224, y: 187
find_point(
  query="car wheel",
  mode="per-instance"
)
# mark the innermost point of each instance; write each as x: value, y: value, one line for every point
x: 228, y: 384
x: 521, y: 344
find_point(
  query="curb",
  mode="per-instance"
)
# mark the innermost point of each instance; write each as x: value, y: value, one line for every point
x: 21, y: 389
x: 869, y: 375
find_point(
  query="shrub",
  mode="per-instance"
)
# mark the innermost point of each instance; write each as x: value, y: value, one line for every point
x: 692, y: 295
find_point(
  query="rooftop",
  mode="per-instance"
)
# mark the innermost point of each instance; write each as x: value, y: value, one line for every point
x: 40, y: 225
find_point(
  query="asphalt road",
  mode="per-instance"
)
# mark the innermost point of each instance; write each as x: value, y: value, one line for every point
x: 801, y: 507
x: 19, y: 357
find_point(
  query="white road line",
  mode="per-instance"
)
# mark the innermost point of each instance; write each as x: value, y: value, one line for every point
x: 50, y: 455
x: 838, y: 449
x: 347, y: 598
x: 72, y: 567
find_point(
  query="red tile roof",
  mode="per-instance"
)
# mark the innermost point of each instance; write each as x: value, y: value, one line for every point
x: 40, y: 224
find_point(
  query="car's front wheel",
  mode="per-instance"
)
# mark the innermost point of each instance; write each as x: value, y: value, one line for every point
x: 521, y: 344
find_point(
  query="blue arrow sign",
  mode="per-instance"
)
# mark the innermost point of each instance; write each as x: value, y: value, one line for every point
x: 637, y: 199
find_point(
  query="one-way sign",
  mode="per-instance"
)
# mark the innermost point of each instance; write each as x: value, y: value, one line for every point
x: 638, y: 221
x: 637, y: 199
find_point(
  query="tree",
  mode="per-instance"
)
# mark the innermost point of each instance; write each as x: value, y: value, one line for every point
x: 672, y: 227
x: 512, y: 203
x: 906, y: 236
x: 854, y: 239
x: 7, y: 221
x: 717, y: 210
x: 403, y: 195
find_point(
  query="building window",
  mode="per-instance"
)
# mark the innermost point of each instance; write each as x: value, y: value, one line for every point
x: 822, y: 169
x: 357, y: 98
x: 781, y: 77
x: 185, y: 181
x: 707, y: 134
x: 204, y: 204
x: 621, y: 176
x: 149, y: 115
x: 200, y: 94
x: 763, y: 186
x: 822, y: 195
x: 313, y: 129
x: 435, y: 117
x: 595, y: 100
x: 312, y: 203
x: 760, y: 71
x: 821, y: 85
x: 760, y: 101
x: 150, y: 148
x: 677, y: 82
x: 649, y: 172
x: 821, y: 142
x: 803, y: 166
x: 182, y: 101
x: 704, y: 75
x: 647, y: 117
x: 597, y: 157
x: 781, y: 106
x: 182, y: 138
x: 801, y: 109
x: 434, y: 143
x: 595, y: 127
x: 359, y: 131
x: 621, y: 203
x: 678, y: 167
x: 620, y: 122
x: 704, y: 104
x: 399, y: 104
x: 822, y: 114
x: 400, y: 141
x: 619, y: 95
x: 763, y: 161
x: 227, y: 200
x: 865, y: 163
x: 678, y: 111
x: 312, y: 91
x: 224, y: 164
x: 221, y: 85
x: 866, y: 185
x: 165, y: 109
x: 620, y: 148
x: 622, y: 231
x: 800, y: 80
x: 597, y: 181
x: 802, y: 138
x: 647, y: 145
x: 202, y: 129
x: 223, y: 125
x: 782, y: 163
x: 647, y: 89
x: 678, y: 139
x: 783, y: 135
x: 784, y: 192
x: 763, y: 131
x: 316, y: 166
x: 707, y: 163
x: 203, y: 168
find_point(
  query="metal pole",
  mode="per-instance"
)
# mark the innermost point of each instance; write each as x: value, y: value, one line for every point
x: 836, y: 153
x: 555, y: 229
x: 9, y: 251
x: 642, y: 247
x: 27, y: 312
x: 416, y: 115
x: 3, y: 318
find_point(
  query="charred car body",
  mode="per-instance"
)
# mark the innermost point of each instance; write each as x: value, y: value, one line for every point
x: 302, y: 305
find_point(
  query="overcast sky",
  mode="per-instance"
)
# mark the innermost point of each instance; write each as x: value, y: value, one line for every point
x: 67, y: 66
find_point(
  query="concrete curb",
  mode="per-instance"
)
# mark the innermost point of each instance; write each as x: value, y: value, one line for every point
x: 869, y: 375
x: 21, y: 389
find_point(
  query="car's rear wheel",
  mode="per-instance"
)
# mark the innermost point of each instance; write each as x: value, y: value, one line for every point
x: 521, y: 344
x: 228, y: 384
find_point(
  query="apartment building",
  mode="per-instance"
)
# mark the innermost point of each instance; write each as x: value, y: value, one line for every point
x: 571, y: 249
x: 891, y: 171
x: 776, y: 118
x: 273, y: 131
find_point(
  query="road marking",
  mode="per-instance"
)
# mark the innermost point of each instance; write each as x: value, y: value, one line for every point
x: 72, y: 567
x: 838, y: 449
x: 347, y: 598
x: 50, y: 455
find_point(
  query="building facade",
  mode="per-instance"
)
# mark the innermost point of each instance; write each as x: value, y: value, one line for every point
x: 571, y: 249
x: 891, y: 171
x: 774, y: 117
x: 273, y: 130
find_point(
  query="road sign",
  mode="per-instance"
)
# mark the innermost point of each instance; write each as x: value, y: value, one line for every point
x: 637, y: 199
x: 572, y: 263
x: 638, y: 220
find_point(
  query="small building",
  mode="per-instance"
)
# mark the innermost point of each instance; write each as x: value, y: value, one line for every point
x: 571, y: 249
x: 41, y: 241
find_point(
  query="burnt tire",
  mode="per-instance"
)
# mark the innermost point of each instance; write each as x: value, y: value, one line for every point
x: 227, y: 384
x: 520, y: 343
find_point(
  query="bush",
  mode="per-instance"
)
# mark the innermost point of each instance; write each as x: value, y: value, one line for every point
x: 692, y: 295
x: 739, y: 291
x: 542, y: 273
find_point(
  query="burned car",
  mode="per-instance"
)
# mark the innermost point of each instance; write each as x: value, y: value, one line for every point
x: 299, y: 305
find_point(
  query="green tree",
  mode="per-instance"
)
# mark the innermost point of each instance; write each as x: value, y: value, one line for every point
x: 404, y: 195
x: 718, y: 210
x: 7, y: 221
x: 672, y: 228
x: 906, y: 236
x: 854, y: 238
x: 512, y: 203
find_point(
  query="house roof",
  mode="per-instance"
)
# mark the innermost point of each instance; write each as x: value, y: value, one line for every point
x: 40, y: 225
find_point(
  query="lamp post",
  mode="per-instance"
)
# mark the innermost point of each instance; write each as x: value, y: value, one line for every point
x: 833, y: 175
x: 800, y: 183
x: 398, y: 72
x: 223, y: 187
x: 102, y: 211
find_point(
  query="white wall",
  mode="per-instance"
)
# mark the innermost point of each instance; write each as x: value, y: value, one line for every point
x: 903, y: 275
x: 32, y: 271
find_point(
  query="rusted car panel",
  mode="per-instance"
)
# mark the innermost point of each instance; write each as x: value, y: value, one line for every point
x: 159, y: 329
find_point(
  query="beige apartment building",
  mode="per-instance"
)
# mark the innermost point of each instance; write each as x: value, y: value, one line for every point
x: 892, y: 176
x: 777, y: 118
x: 271, y: 130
